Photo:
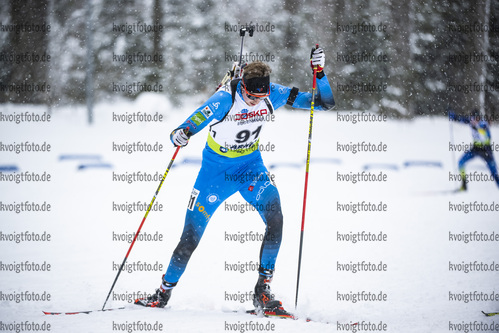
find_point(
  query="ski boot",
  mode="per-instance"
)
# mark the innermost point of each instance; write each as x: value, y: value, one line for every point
x: 160, y: 298
x: 263, y: 298
x: 264, y: 301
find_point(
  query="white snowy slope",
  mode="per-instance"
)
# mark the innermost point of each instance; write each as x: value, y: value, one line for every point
x: 421, y: 287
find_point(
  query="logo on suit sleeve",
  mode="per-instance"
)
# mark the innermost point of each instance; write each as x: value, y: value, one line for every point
x: 198, y: 118
x: 207, y: 112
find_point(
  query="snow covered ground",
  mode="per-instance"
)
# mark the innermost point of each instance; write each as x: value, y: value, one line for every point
x: 423, y: 286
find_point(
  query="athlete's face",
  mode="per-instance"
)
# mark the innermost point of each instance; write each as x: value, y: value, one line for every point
x: 253, y: 102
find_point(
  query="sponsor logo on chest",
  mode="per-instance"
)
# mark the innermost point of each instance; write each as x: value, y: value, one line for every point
x: 247, y: 115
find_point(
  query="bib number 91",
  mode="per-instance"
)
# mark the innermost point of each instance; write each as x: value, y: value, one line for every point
x: 244, y: 135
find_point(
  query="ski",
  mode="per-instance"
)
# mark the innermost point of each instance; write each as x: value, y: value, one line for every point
x: 490, y: 314
x: 277, y: 312
x: 283, y: 314
x: 79, y: 312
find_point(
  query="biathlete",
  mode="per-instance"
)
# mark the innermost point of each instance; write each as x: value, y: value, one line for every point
x: 233, y: 163
x: 481, y: 145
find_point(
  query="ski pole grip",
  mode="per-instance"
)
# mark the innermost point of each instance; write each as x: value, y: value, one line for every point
x: 313, y: 49
x: 315, y: 70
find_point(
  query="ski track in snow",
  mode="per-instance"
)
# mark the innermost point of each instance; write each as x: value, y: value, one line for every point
x: 417, y: 252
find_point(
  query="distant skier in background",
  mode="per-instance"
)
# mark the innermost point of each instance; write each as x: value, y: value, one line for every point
x: 232, y: 163
x: 481, y: 144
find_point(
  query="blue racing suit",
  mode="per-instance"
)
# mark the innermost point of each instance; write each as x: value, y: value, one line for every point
x: 481, y: 145
x: 232, y: 163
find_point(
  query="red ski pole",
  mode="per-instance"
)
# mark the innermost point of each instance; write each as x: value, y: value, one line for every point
x: 306, y: 179
x: 143, y: 220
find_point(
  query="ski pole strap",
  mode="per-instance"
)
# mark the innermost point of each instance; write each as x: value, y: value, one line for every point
x: 292, y: 96
x: 224, y: 151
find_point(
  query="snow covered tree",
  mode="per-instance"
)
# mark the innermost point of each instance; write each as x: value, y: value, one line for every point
x: 24, y: 74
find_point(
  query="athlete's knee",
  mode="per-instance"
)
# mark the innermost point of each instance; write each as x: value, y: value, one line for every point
x: 188, y: 243
x: 274, y: 223
x: 273, y: 214
x: 185, y: 249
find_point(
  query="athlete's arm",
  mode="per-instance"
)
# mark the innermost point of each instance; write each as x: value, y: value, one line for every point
x: 214, y: 108
x: 324, y: 100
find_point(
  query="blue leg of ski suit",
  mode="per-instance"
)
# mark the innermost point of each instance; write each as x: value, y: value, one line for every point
x: 486, y: 154
x: 218, y: 179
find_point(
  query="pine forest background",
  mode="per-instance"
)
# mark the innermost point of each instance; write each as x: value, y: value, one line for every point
x: 421, y: 55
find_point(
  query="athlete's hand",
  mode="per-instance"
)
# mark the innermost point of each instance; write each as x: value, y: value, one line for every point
x: 179, y: 137
x: 317, y: 58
